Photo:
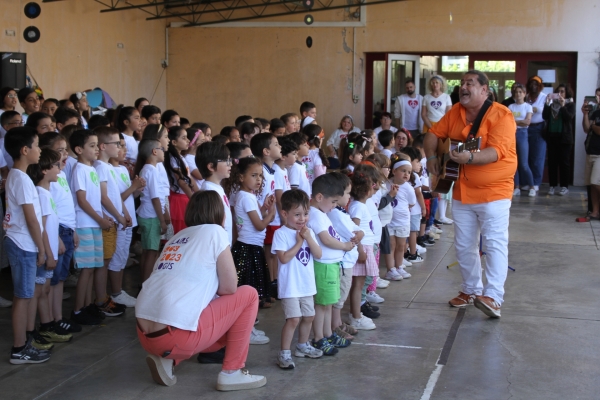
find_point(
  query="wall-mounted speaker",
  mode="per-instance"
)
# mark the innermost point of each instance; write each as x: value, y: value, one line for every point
x: 13, y: 70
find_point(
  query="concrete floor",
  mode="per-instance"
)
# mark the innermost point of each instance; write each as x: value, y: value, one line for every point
x: 546, y: 346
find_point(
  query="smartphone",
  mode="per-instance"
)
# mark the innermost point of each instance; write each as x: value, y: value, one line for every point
x: 592, y: 103
x: 553, y: 96
x: 589, y: 99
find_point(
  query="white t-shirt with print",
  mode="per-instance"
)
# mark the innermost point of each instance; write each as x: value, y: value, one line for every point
x: 299, y: 178
x: 387, y: 152
x: 377, y: 227
x: 412, y: 113
x: 268, y: 185
x: 361, y: 211
x: 190, y: 159
x: 281, y: 183
x: 378, y: 130
x: 184, y: 279
x: 174, y: 165
x: 345, y: 227
x: 520, y: 111
x: 107, y: 174
x: 336, y: 137
x: 424, y: 173
x: 163, y: 180
x: 63, y: 198
x: 132, y: 148
x: 69, y: 165
x: 247, y: 233
x: 151, y: 191
x: 297, y: 277
x: 20, y: 190
x: 49, y: 210
x: 400, y: 206
x: 85, y: 177
x: 319, y: 222
x: 416, y: 210
x: 207, y: 185
x: 312, y: 160
x: 436, y: 106
x: 124, y: 183
x: 538, y: 104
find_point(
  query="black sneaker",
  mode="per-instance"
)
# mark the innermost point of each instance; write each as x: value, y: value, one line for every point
x: 274, y: 289
x: 367, y: 310
x: 55, y: 334
x: 374, y: 308
x: 425, y: 241
x: 29, y: 355
x: 429, y: 241
x: 415, y: 258
x: 68, y: 325
x: 420, y: 242
x: 94, y: 311
x: 216, y: 357
x: 111, y: 309
x: 85, y: 317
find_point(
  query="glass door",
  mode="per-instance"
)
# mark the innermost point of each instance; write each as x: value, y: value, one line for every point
x: 400, y: 67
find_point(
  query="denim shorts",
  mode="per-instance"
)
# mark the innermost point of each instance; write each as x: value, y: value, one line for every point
x: 64, y: 260
x: 23, y: 265
x: 415, y: 222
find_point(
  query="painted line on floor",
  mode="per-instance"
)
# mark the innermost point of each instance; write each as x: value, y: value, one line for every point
x: 388, y: 345
x: 443, y: 359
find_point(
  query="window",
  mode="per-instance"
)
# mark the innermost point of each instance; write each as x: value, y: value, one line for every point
x: 455, y: 63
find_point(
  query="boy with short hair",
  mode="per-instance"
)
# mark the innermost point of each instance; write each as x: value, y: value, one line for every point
x: 214, y: 164
x: 151, y: 114
x: 386, y: 140
x: 30, y: 101
x: 295, y: 247
x: 327, y: 191
x: 297, y: 172
x: 8, y: 121
x: 23, y: 243
x: 66, y: 116
x: 308, y: 109
x: 90, y: 223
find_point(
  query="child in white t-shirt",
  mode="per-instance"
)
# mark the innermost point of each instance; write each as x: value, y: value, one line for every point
x: 129, y: 190
x: 316, y: 161
x: 295, y: 247
x: 91, y: 220
x: 196, y: 138
x: 23, y: 243
x: 386, y: 139
x: 297, y: 172
x: 43, y: 174
x: 252, y: 221
x: 327, y: 190
x: 151, y: 212
x: 418, y: 212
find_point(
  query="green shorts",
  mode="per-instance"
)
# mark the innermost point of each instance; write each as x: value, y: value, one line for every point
x: 150, y: 230
x: 327, y: 279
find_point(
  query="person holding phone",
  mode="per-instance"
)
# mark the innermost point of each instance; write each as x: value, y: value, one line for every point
x: 537, y: 144
x: 591, y: 125
x: 559, y: 112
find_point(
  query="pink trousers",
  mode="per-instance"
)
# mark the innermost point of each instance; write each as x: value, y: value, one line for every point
x: 226, y: 321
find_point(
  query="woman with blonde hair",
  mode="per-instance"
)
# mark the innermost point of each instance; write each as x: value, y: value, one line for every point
x: 435, y: 104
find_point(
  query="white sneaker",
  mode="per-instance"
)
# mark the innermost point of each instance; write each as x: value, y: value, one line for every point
x: 363, y: 323
x: 435, y: 229
x: 551, y: 191
x: 416, y: 259
x: 525, y: 188
x: 434, y: 236
x: 532, y: 193
x: 284, y: 360
x: 239, y: 380
x: 392, y: 275
x: 421, y: 249
x: 382, y: 283
x: 517, y: 192
x: 373, y: 297
x: 406, y: 263
x: 446, y: 221
x: 125, y: 299
x: 403, y: 273
x: 258, y: 332
x: 563, y: 191
x: 537, y: 188
x: 161, y: 370
x: 4, y: 303
x: 308, y: 351
x: 258, y: 339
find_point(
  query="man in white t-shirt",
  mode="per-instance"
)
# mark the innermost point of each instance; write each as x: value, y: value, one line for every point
x: 407, y: 109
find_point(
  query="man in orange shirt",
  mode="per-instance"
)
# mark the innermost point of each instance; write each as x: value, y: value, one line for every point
x: 482, y: 195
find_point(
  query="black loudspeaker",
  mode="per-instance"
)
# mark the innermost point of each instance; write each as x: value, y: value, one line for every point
x: 13, y: 70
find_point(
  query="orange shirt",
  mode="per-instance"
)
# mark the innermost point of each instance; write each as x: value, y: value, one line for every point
x: 484, y: 183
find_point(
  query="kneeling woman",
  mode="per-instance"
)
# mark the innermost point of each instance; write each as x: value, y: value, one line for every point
x: 177, y: 312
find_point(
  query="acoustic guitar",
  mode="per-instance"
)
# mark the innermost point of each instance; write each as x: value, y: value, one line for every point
x: 450, y: 170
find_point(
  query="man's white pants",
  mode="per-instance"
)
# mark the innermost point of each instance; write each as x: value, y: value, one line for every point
x: 491, y: 220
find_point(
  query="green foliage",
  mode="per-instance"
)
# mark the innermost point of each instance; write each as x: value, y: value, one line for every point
x: 496, y: 66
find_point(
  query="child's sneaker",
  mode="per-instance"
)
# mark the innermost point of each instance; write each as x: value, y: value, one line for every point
x: 94, y: 311
x: 307, y: 350
x: 39, y: 342
x: 338, y: 341
x: 415, y: 258
x: 363, y: 323
x: 29, y: 355
x: 69, y: 325
x: 284, y: 360
x: 4, y: 303
x: 327, y: 348
x: 255, y: 338
x: 392, y: 275
x: 55, y: 334
x: 258, y: 332
x: 111, y: 309
x: 343, y: 333
x: 373, y: 297
x: 406, y: 262
x: 368, y: 311
x: 85, y: 317
x: 382, y: 283
x: 403, y: 273
x: 125, y: 299
x: 161, y: 370
x: 421, y: 249
x: 348, y: 328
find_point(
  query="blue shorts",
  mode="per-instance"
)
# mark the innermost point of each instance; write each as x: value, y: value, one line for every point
x: 42, y: 275
x: 415, y: 222
x: 23, y: 266
x: 89, y: 253
x: 64, y: 260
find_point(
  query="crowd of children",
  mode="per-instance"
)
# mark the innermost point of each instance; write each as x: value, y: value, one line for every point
x: 80, y: 190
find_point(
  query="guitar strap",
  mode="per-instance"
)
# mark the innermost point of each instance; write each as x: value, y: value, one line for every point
x: 475, y: 127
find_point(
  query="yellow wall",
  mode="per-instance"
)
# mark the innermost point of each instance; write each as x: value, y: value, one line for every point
x: 78, y: 50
